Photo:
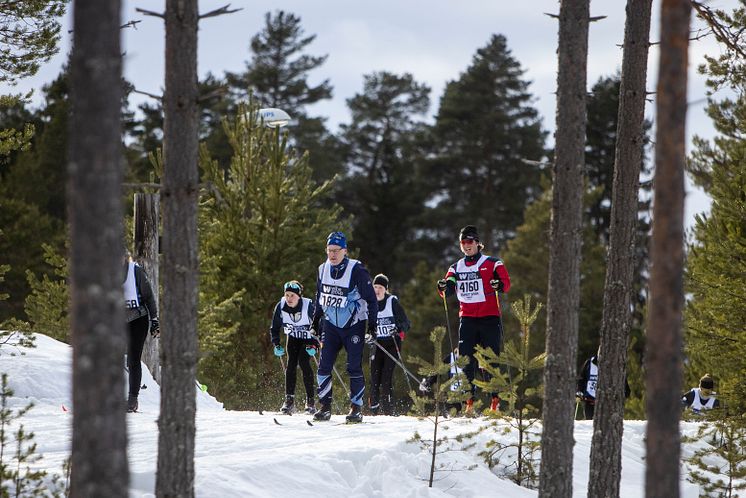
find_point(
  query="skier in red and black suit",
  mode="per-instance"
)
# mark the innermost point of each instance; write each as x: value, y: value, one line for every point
x: 476, y: 279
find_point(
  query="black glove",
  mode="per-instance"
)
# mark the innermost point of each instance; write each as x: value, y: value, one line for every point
x: 442, y: 284
x: 497, y: 284
x: 155, y: 327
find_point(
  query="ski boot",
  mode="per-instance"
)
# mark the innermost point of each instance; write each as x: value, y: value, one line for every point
x: 355, y: 416
x: 324, y: 413
x: 287, y: 407
x: 374, y: 409
x: 495, y: 404
x: 310, y: 407
x: 132, y: 404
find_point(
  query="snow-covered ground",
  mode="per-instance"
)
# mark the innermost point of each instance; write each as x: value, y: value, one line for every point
x: 245, y: 454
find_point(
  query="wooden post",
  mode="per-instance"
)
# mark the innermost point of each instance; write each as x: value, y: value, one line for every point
x: 146, y: 220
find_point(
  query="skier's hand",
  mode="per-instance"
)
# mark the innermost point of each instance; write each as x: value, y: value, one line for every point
x: 497, y: 284
x: 155, y: 327
x: 442, y: 284
x: 370, y: 337
x: 279, y: 351
x: 580, y: 395
x: 401, y: 335
x: 424, y: 387
x: 311, y: 350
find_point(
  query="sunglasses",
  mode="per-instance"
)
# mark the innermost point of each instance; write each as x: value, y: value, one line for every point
x: 292, y: 286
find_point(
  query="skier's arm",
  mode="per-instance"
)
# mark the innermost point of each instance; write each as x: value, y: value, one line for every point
x: 362, y: 281
x: 318, y: 311
x: 146, y: 292
x: 583, y: 379
x: 400, y: 316
x: 501, y: 273
x: 688, y: 398
x: 274, y: 329
x: 450, y: 279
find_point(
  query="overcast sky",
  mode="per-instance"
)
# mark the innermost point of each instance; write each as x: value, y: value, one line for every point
x: 434, y: 40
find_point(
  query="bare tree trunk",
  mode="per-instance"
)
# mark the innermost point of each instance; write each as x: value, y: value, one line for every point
x: 664, y: 343
x: 99, y: 446
x: 608, y: 421
x: 147, y: 214
x: 564, y: 262
x: 175, y: 476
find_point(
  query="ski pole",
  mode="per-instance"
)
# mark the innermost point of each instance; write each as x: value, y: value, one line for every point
x: 398, y: 353
x: 577, y: 407
x: 406, y: 371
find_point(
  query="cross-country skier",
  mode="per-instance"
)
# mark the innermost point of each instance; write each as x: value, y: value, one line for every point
x: 293, y: 315
x: 345, y: 303
x: 426, y: 385
x: 587, y: 383
x: 393, y: 325
x: 701, y: 398
x: 141, y: 313
x: 476, y: 279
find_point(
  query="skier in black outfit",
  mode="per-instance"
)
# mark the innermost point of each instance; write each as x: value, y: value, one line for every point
x: 426, y: 385
x: 392, y: 326
x: 294, y: 314
x: 587, y: 382
x: 142, y: 314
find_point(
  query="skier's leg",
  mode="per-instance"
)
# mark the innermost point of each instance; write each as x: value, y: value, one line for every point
x: 138, y: 332
x: 332, y: 345
x: 305, y: 366
x: 387, y: 377
x: 293, y: 348
x: 468, y: 334
x: 354, y: 343
x: 490, y: 336
x: 376, y: 368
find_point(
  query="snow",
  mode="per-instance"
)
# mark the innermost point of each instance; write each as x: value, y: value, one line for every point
x: 247, y: 454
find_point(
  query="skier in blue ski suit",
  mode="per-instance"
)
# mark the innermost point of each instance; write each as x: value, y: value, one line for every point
x: 346, y: 307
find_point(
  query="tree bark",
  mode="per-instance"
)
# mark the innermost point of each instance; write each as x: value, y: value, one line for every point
x: 95, y: 168
x: 564, y: 262
x: 175, y: 476
x: 147, y: 214
x: 608, y: 422
x: 664, y: 343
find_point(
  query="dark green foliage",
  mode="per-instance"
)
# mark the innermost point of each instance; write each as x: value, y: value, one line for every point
x: 716, y: 311
x: 514, y: 376
x: 29, y: 33
x: 382, y: 190
x: 47, y: 304
x: 719, y: 465
x: 485, y: 131
x: 261, y: 224
x: 277, y: 76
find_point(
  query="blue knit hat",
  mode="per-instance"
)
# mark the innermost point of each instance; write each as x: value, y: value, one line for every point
x: 337, y: 239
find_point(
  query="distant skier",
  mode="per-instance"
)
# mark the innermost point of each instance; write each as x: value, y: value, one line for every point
x: 345, y: 303
x: 476, y: 279
x: 703, y: 397
x: 587, y: 384
x: 293, y: 315
x: 393, y: 325
x: 141, y: 313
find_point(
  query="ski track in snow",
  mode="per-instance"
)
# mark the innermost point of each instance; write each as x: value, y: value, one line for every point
x: 245, y: 454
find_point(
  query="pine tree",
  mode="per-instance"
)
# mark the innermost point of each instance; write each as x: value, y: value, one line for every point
x: 47, y: 304
x: 716, y: 261
x: 382, y: 187
x: 719, y: 465
x: 261, y: 224
x: 519, y: 387
x: 485, y: 130
x: 278, y: 76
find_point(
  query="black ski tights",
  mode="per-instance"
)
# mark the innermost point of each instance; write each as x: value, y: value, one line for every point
x: 297, y: 355
x: 138, y: 332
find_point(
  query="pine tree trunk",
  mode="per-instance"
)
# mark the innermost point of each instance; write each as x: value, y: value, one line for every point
x: 664, y: 343
x: 95, y: 168
x: 564, y: 262
x: 176, y: 424
x: 608, y: 420
x: 146, y: 220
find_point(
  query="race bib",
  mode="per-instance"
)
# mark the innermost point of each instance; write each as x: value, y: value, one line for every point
x: 470, y: 291
x: 332, y: 301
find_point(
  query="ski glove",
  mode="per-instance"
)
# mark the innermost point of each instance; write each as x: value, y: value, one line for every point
x: 279, y: 351
x: 497, y: 284
x: 155, y: 327
x: 311, y: 350
x: 401, y: 335
x: 370, y: 337
x: 580, y: 395
x: 424, y: 386
x: 442, y: 284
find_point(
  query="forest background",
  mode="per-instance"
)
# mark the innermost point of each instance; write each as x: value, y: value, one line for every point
x: 398, y: 170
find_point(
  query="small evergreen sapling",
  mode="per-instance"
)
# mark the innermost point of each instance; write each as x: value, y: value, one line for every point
x: 454, y: 390
x: 518, y: 389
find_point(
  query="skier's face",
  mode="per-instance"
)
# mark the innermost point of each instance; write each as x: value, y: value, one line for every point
x: 336, y: 254
x: 292, y: 299
x: 469, y: 247
x: 380, y: 291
